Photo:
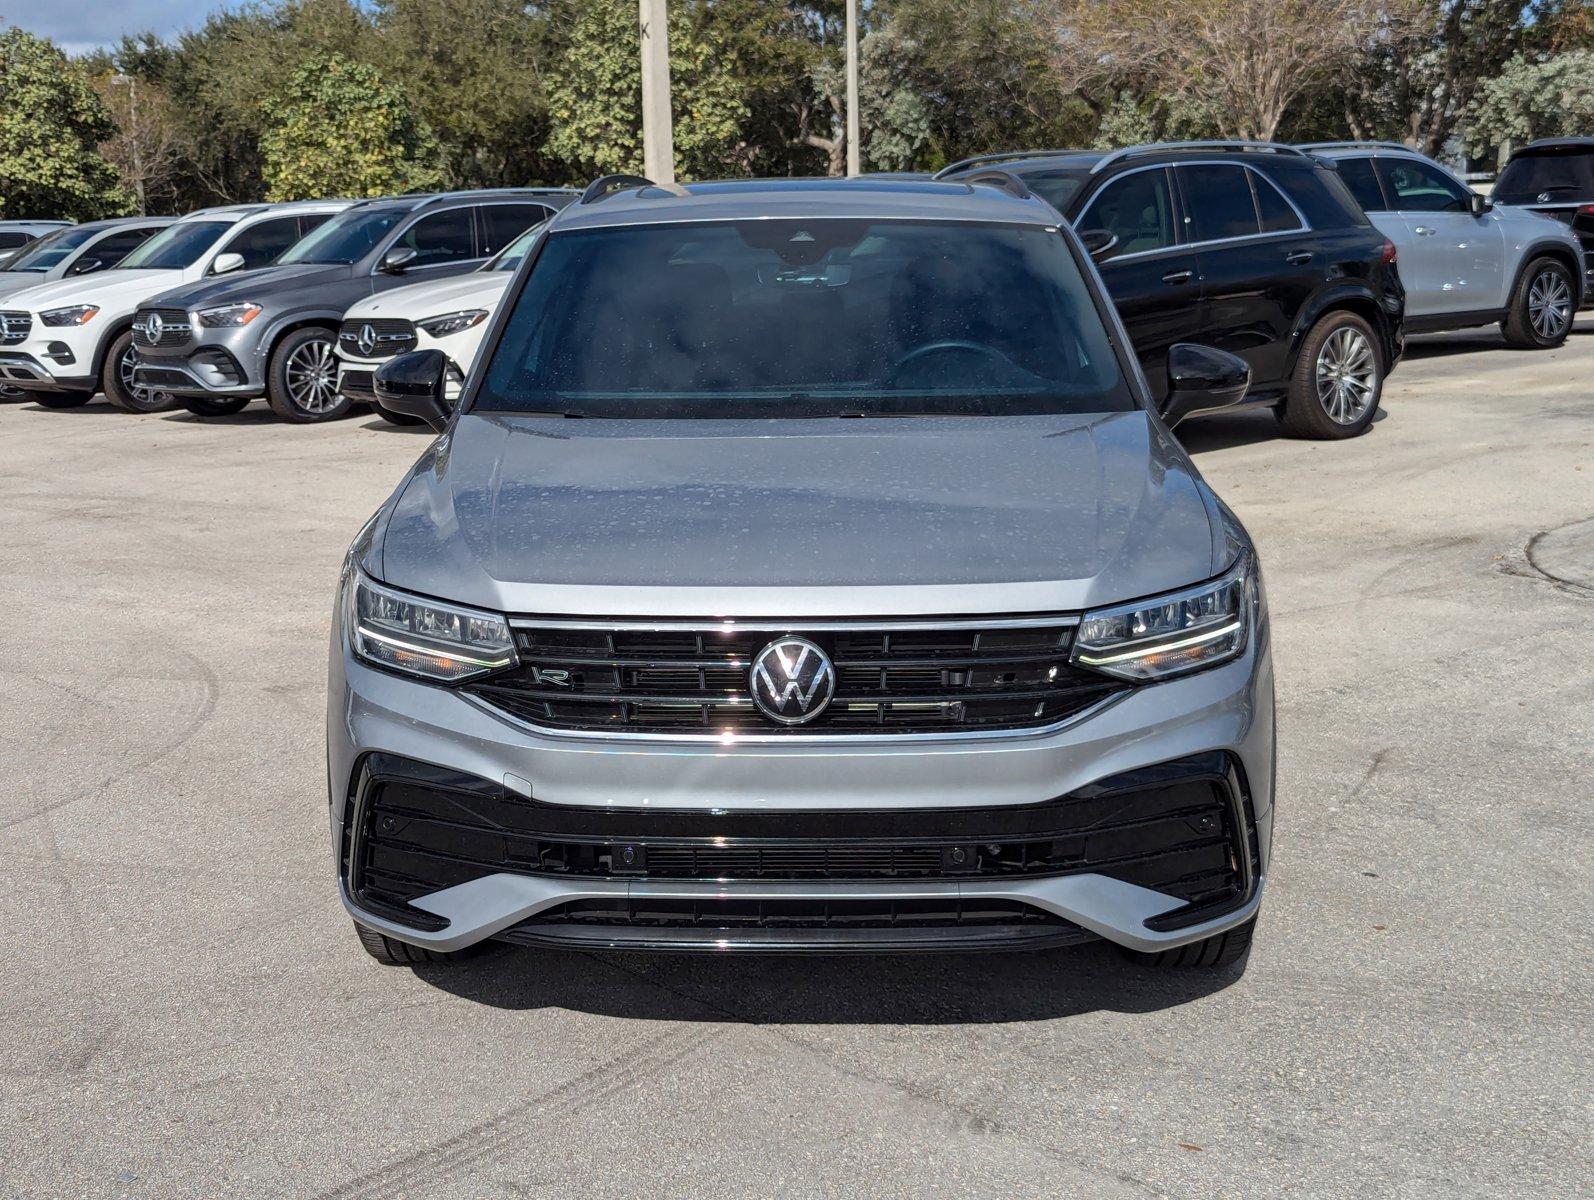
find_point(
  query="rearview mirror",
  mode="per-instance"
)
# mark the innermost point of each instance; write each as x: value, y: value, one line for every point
x: 1202, y: 379
x: 412, y: 386
x: 1099, y: 242
x: 1479, y: 204
x: 396, y: 259
x: 225, y: 263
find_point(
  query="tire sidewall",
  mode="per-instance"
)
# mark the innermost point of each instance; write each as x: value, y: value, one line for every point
x: 1524, y: 319
x: 1314, y: 421
x: 111, y: 380
x: 278, y: 394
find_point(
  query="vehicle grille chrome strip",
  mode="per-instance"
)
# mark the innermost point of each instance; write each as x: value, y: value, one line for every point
x: 822, y: 625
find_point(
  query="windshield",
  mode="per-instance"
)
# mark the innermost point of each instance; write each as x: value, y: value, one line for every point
x: 344, y: 239
x: 51, y: 249
x: 804, y: 318
x: 512, y: 255
x: 1567, y: 176
x: 177, y: 246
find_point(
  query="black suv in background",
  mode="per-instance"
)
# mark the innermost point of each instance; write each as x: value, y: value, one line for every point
x: 1252, y: 247
x: 1555, y: 176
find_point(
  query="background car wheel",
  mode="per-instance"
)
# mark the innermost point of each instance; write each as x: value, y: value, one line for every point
x: 116, y: 380
x: 1222, y: 950
x: 302, y: 383
x: 214, y: 408
x: 61, y: 399
x: 1541, y: 312
x: 394, y: 953
x: 1338, y: 380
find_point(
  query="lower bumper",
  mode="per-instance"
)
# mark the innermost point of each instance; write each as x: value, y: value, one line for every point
x: 26, y: 372
x: 208, y: 372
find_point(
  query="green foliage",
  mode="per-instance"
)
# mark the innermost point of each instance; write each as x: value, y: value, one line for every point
x: 1132, y: 119
x: 336, y: 129
x: 896, y: 118
x: 1550, y: 98
x: 51, y: 121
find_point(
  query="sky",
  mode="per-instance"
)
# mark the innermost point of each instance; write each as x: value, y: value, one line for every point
x: 79, y: 25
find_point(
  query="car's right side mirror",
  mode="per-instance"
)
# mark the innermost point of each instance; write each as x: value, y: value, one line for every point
x: 1479, y: 204
x: 396, y: 259
x: 412, y: 385
x: 1099, y: 243
x: 1202, y: 379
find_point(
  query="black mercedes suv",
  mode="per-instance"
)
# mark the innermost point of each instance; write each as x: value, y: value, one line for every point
x: 1555, y: 176
x: 1252, y: 247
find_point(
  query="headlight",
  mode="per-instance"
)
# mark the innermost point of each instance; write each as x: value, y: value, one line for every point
x: 424, y: 637
x: 1174, y: 634
x: 78, y: 314
x: 228, y: 316
x: 453, y: 322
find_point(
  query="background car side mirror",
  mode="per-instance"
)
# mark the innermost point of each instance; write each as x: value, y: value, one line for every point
x: 412, y: 385
x: 84, y: 265
x: 225, y: 263
x: 1099, y: 242
x: 396, y: 259
x: 1479, y: 204
x: 1202, y: 379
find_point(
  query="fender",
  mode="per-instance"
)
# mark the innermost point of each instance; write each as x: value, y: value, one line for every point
x: 286, y: 322
x: 1562, y: 253
x: 1335, y: 295
x: 112, y: 331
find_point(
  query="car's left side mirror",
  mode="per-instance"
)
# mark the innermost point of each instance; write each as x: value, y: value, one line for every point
x: 1202, y: 379
x: 84, y: 265
x: 412, y: 385
x: 397, y: 259
x: 1479, y: 204
x: 225, y: 263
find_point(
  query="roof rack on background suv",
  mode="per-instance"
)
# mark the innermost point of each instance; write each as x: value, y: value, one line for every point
x: 1358, y: 145
x: 605, y: 186
x: 1232, y: 145
x: 1006, y: 180
x: 1004, y: 156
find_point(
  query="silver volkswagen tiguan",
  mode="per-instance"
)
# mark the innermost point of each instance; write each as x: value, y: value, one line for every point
x: 804, y: 568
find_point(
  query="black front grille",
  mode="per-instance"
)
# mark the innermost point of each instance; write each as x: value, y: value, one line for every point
x: 376, y: 337
x: 161, y: 327
x: 934, y: 680
x: 15, y: 327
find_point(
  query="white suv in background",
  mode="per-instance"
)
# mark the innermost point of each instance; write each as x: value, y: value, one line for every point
x: 63, y: 341
x: 448, y: 315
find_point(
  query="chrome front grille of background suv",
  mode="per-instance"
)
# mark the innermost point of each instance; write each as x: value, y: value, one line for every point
x: 955, y: 676
x: 15, y: 327
x: 172, y: 329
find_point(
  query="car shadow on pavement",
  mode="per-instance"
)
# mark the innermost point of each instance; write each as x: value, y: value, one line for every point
x: 901, y: 989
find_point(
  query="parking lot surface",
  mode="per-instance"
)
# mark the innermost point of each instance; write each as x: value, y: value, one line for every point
x: 187, y: 1012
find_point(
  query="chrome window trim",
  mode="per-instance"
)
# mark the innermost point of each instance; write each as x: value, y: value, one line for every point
x: 770, y: 625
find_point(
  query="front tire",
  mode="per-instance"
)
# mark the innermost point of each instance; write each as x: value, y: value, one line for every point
x: 391, y: 952
x: 1338, y: 380
x: 302, y: 381
x: 215, y: 408
x: 116, y: 381
x: 59, y: 399
x: 1541, y: 312
x: 1213, y: 953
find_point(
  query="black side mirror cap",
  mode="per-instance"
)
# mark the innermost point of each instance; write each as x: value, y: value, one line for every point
x: 396, y: 259
x: 1099, y: 243
x: 1202, y: 379
x: 1479, y: 204
x: 412, y: 386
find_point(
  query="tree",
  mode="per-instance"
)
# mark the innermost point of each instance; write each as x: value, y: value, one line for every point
x: 337, y: 129
x: 1550, y: 98
x: 51, y: 123
x: 1243, y: 62
x: 894, y: 116
x: 146, y: 147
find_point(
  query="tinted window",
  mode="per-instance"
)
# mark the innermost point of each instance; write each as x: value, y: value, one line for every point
x: 1362, y: 181
x: 1274, y: 210
x: 347, y: 238
x: 791, y: 318
x: 113, y: 249
x: 503, y: 223
x: 512, y: 255
x: 308, y: 222
x: 177, y: 246
x: 262, y: 243
x: 11, y: 238
x: 1055, y: 188
x: 1217, y: 202
x: 441, y: 237
x: 1414, y: 186
x: 1138, y: 208
x: 1566, y: 176
x: 49, y: 250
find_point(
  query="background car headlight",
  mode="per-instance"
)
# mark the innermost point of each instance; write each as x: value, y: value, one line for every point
x: 78, y: 314
x: 424, y: 637
x: 1173, y: 634
x: 228, y: 315
x: 453, y: 322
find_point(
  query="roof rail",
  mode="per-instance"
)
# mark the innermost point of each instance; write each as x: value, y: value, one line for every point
x: 1006, y: 180
x: 1232, y: 145
x: 1357, y: 145
x: 1005, y: 156
x: 605, y: 185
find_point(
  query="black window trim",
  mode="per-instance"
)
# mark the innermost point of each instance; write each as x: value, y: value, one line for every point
x: 1179, y: 231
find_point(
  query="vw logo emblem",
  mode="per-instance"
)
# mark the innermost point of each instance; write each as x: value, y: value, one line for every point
x: 153, y: 326
x: 792, y: 681
x: 367, y: 339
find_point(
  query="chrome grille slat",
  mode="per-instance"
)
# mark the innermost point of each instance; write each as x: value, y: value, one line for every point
x: 173, y: 328
x: 389, y: 336
x: 15, y: 327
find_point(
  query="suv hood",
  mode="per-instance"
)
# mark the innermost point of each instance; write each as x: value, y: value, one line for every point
x: 473, y: 290
x: 12, y: 282
x: 894, y: 516
x: 115, y: 289
x: 252, y: 285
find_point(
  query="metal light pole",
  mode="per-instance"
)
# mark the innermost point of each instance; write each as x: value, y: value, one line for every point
x: 658, y: 133
x: 854, y: 125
